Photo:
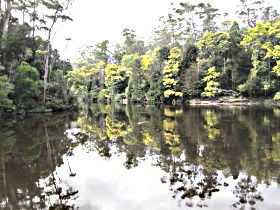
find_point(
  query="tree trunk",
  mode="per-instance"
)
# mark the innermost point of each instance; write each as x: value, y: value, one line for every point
x: 4, y: 29
x: 46, y: 68
x: 6, y: 18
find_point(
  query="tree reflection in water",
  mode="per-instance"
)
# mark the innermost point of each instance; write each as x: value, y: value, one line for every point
x: 193, y: 146
x: 30, y: 150
x: 58, y: 194
x: 199, y: 149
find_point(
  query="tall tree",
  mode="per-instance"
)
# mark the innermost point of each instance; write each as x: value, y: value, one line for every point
x: 57, y: 12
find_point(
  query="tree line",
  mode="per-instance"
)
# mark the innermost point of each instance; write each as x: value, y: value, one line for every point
x: 196, y: 52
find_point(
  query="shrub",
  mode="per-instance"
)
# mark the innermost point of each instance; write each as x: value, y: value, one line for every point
x: 27, y: 86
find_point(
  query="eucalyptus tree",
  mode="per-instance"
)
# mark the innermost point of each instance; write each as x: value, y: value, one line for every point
x: 253, y: 11
x: 57, y: 11
x: 208, y: 16
x: 187, y: 17
x: 131, y: 42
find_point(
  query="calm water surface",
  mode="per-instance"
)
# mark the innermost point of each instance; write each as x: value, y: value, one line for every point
x: 138, y: 157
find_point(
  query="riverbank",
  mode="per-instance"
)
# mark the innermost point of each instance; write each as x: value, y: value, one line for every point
x: 229, y: 101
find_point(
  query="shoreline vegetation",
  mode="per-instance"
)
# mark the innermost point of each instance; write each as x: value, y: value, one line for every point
x: 195, y: 56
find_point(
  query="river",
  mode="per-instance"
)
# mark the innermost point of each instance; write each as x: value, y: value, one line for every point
x: 142, y: 157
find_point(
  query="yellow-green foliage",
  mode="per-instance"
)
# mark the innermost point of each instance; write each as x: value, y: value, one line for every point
x: 81, y: 77
x: 212, y: 84
x: 171, y: 77
x: 274, y: 154
x: 261, y: 40
x: 89, y: 127
x: 115, y: 129
x: 277, y: 96
x: 211, y: 126
x: 213, y: 43
x: 172, y: 113
x: 150, y: 140
x: 172, y: 138
x: 113, y: 75
x: 148, y: 59
x: 130, y: 63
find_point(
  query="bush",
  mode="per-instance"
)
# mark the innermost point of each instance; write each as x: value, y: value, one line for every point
x: 27, y: 87
x: 5, y: 102
x: 56, y: 104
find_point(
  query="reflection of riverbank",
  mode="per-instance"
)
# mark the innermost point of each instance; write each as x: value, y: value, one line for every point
x: 202, y: 156
x: 232, y: 140
x: 106, y: 184
x: 227, y: 101
x: 30, y: 149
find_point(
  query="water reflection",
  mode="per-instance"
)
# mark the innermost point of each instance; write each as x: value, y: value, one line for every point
x: 208, y: 157
x: 30, y: 150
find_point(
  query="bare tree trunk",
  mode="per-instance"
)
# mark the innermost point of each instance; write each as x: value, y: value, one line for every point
x: 6, y: 18
x: 52, y: 62
x: 5, y: 27
x: 46, y: 68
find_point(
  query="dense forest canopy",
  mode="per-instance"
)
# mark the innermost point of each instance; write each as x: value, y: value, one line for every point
x: 195, y: 52
x: 32, y: 75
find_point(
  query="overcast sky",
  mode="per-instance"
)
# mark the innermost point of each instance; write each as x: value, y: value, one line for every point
x: 97, y: 20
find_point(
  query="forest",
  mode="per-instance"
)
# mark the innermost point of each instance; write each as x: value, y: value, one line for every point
x: 196, y: 51
x: 32, y: 74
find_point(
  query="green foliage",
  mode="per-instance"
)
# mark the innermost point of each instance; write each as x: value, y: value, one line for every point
x: 164, y: 53
x: 193, y: 82
x: 132, y: 65
x: 5, y: 102
x: 189, y: 57
x: 56, y: 104
x: 27, y: 87
x: 104, y: 96
x: 20, y: 44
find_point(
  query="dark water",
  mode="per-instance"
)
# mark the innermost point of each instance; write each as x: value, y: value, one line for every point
x: 139, y: 157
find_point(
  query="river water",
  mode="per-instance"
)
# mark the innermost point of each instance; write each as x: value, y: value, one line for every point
x: 137, y: 157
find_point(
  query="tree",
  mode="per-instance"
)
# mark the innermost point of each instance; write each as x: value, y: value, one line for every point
x: 136, y: 86
x: 212, y: 85
x: 114, y: 79
x: 239, y: 62
x: 87, y: 82
x: 208, y: 15
x: 57, y: 10
x: 92, y: 55
x: 152, y: 63
x: 187, y: 17
x: 131, y: 43
x: 262, y: 42
x: 170, y: 76
x: 253, y: 11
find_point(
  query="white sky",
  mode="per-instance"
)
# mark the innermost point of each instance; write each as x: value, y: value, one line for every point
x: 98, y: 20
